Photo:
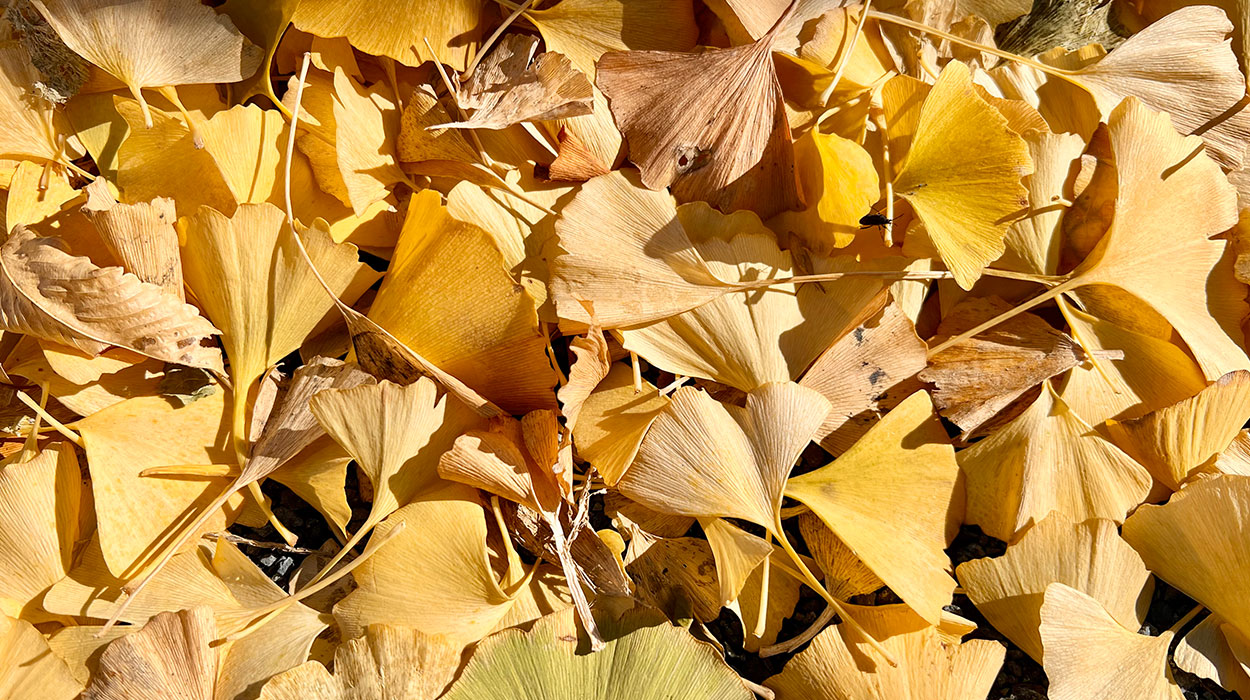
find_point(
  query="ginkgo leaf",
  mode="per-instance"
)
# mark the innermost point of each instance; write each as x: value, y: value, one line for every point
x: 154, y: 43
x: 169, y: 657
x: 1199, y: 296
x: 978, y: 377
x: 1151, y: 373
x: 1090, y: 557
x: 29, y: 668
x: 724, y: 339
x: 39, y: 526
x: 247, y: 273
x: 704, y: 459
x: 617, y: 236
x: 513, y: 85
x: 388, y: 662
x: 396, y: 434
x: 839, y: 184
x: 1035, y: 242
x: 51, y: 294
x: 712, y: 124
x: 448, y: 295
x: 645, y: 659
x: 962, y: 174
x: 453, y: 28
x: 141, y: 236
x: 584, y: 30
x: 460, y: 599
x: 1205, y: 651
x: 592, y: 364
x: 863, y: 374
x: 737, y: 553
x: 613, y: 421
x: 351, y: 137
x: 1194, y: 542
x: 1175, y: 440
x: 840, y: 666
x: 32, y: 126
x: 496, y: 461
x: 1048, y: 459
x: 1087, y: 652
x: 1182, y: 64
x: 904, y: 464
x: 844, y: 574
x: 134, y: 513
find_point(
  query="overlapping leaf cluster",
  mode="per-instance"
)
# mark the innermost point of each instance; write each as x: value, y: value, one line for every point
x: 588, y: 325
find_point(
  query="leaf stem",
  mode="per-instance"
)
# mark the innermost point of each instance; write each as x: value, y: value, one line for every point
x: 1045, y: 296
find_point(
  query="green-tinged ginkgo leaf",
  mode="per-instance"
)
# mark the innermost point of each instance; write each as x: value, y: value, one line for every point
x: 645, y: 659
x: 904, y: 464
x: 962, y: 174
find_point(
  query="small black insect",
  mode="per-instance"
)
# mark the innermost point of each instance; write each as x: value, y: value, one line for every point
x: 874, y: 219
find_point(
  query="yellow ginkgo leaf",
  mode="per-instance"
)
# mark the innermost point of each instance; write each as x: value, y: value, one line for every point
x: 169, y: 657
x: 1090, y: 557
x: 1150, y: 373
x: 845, y: 575
x: 839, y: 183
x: 1154, y: 230
x: 1182, y: 64
x: 134, y: 512
x: 1175, y: 440
x: 29, y: 669
x: 82, y: 383
x: 702, y: 458
x: 1048, y: 459
x: 614, y: 420
x: 1089, y: 654
x: 724, y: 339
x: 154, y: 43
x: 645, y: 659
x: 396, y: 434
x: 449, y: 297
x: 460, y: 599
x: 1034, y: 243
x: 38, y: 527
x: 737, y: 553
x: 1205, y: 651
x: 264, y: 24
x: 904, y: 464
x: 711, y: 124
x: 33, y: 127
x: 248, y: 275
x: 396, y: 661
x: 628, y: 255
x: 1195, y: 543
x: 962, y: 174
x: 840, y: 666
x: 453, y: 27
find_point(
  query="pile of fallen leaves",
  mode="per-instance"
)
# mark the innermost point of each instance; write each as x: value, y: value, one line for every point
x: 623, y: 349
